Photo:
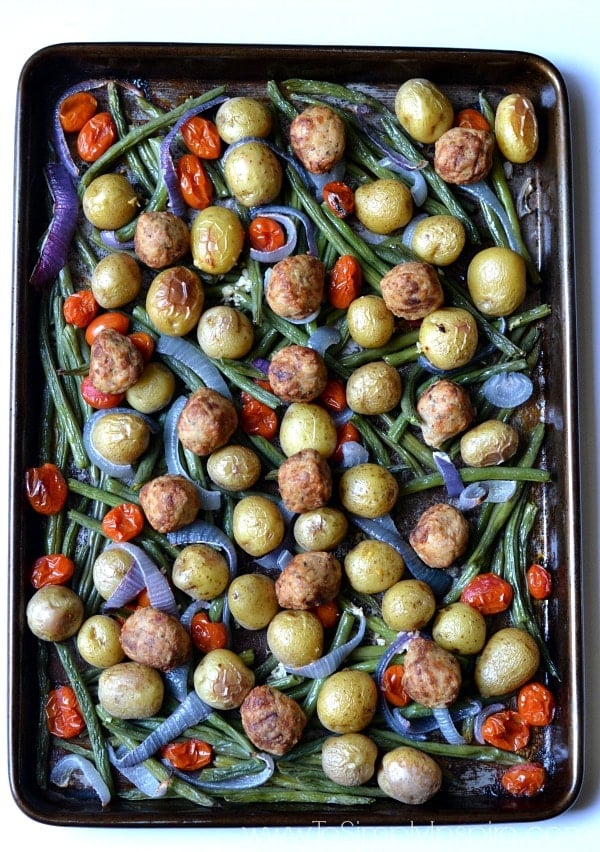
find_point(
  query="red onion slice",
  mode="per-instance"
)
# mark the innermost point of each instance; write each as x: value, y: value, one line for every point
x: 72, y: 764
x: 330, y: 662
x: 57, y: 241
x: 242, y: 782
x: 445, y: 465
x: 123, y: 472
x: 143, y: 574
x: 138, y: 775
x: 206, y: 533
x: 508, y: 389
x: 193, y: 357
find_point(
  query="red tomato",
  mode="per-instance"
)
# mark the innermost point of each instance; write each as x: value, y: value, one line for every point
x: 123, y: 522
x: 256, y: 418
x: 99, y: 399
x: 109, y: 319
x: 472, y: 118
x: 96, y: 136
x: 266, y: 234
x: 347, y: 432
x: 506, y: 729
x: 201, y: 137
x: 144, y: 342
x: 75, y: 110
x: 63, y: 715
x: 80, y: 308
x: 345, y: 281
x: 339, y: 198
x: 194, y: 183
x: 207, y: 635
x: 188, y: 755
x: 327, y: 614
x: 334, y: 395
x: 46, y: 488
x: 539, y: 582
x: 488, y: 593
x: 525, y: 779
x: 52, y: 570
x: 536, y: 704
x: 391, y: 683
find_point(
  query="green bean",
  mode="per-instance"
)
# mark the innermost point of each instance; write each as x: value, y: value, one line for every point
x: 342, y: 634
x: 479, y: 753
x: 133, y: 158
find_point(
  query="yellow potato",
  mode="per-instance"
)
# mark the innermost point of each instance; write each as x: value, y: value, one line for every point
x: 509, y: 659
x: 383, y: 205
x: 516, y: 128
x: 423, y: 109
x: 497, y: 281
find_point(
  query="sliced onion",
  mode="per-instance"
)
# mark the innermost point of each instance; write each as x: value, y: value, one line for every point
x: 310, y: 318
x: 276, y: 559
x: 324, y: 337
x: 241, y: 782
x: 472, y: 496
x: 353, y: 453
x: 426, y: 365
x: 291, y: 238
x: 488, y: 491
x: 418, y: 184
x: 176, y: 681
x: 143, y: 574
x: 287, y: 210
x: 507, y: 389
x: 319, y: 181
x: 203, y: 532
x: 63, y: 771
x: 194, y: 358
x: 138, y: 775
x: 191, y: 610
x: 331, y: 661
x: 109, y: 238
x: 445, y: 465
x: 123, y: 472
x: 482, y: 716
x: 447, y: 726
x: 57, y: 240
x: 400, y: 724
x: 409, y: 231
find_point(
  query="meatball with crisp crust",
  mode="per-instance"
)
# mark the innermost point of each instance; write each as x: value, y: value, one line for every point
x: 272, y: 721
x: 445, y: 410
x: 318, y: 138
x: 297, y: 373
x: 155, y: 638
x: 116, y: 363
x: 308, y: 580
x: 296, y: 286
x: 440, y: 536
x: 304, y: 480
x: 463, y: 155
x: 411, y: 290
x: 207, y: 421
x: 161, y: 239
x: 432, y: 675
x: 169, y: 502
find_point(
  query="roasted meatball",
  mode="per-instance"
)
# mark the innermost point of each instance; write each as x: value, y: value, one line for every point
x: 207, y: 421
x: 297, y: 373
x: 440, y: 535
x: 169, y: 502
x: 304, y: 480
x: 155, y: 638
x: 161, y: 239
x: 308, y: 580
x: 115, y: 363
x: 272, y: 721
x: 412, y: 290
x: 463, y: 155
x: 296, y: 286
x: 445, y: 410
x: 318, y: 138
x: 432, y: 675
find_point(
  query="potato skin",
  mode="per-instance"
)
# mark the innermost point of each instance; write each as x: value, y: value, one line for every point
x: 131, y: 690
x: 295, y: 637
x: 423, y: 109
x: 155, y: 638
x: 222, y: 679
x: 509, y: 659
x: 409, y: 775
x: 368, y: 490
x: 349, y: 759
x: 347, y: 701
x: 54, y: 613
x: 374, y: 388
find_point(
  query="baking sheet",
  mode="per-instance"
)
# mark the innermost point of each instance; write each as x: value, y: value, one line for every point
x: 193, y: 68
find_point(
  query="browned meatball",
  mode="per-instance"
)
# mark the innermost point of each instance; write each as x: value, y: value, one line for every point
x: 155, y: 638
x: 115, y: 363
x: 304, y: 480
x: 296, y: 286
x: 161, y: 239
x: 431, y: 675
x: 169, y: 502
x: 272, y: 721
x: 412, y: 290
x: 440, y: 535
x: 318, y: 138
x: 463, y: 155
x: 207, y: 421
x: 297, y: 373
x: 308, y: 580
x: 445, y: 410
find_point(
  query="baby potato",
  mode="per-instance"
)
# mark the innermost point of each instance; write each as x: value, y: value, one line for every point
x: 233, y: 467
x: 116, y: 280
x: 516, y: 128
x: 121, y: 437
x: 368, y: 490
x: 216, y: 239
x: 258, y: 525
x: 423, y: 109
x: 349, y: 759
x: 225, y: 332
x: 253, y: 173
x: 201, y: 571
x: 222, y: 679
x: 408, y: 605
x: 383, y: 205
x: 109, y: 568
x: 370, y: 322
x: 347, y: 701
x: 130, y: 690
x: 174, y: 301
x: 153, y: 390
x: 242, y: 116
x: 54, y: 613
x: 110, y: 202
x: 295, y: 637
x: 448, y: 337
x: 252, y: 600
x: 438, y: 239
x: 508, y: 660
x: 374, y: 388
x: 409, y: 775
x: 320, y: 529
x: 98, y: 641
x: 497, y: 281
x: 489, y: 443
x: 307, y: 426
x: 459, y: 628
x: 373, y: 566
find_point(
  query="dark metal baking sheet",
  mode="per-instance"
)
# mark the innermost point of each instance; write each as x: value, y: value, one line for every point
x: 195, y: 67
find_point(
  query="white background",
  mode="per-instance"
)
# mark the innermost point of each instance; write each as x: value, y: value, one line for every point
x: 564, y: 32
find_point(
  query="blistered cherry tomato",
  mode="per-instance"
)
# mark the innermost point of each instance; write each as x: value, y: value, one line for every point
x: 109, y: 319
x: 52, y: 570
x: 96, y: 136
x: 75, y: 110
x: 328, y: 614
x: 207, y: 635
x: 99, y: 399
x: 123, y: 522
x: 472, y: 118
x: 391, y: 683
x: 144, y: 342
x: 63, y: 715
x: 488, y: 593
x: 80, y: 308
x: 539, y: 582
x: 507, y: 730
x: 266, y: 234
x: 201, y: 137
x: 195, y: 185
x: 188, y: 755
x: 339, y: 198
x: 256, y: 417
x: 525, y: 779
x: 536, y: 704
x: 346, y: 433
x: 46, y: 488
x: 345, y: 281
x: 334, y: 395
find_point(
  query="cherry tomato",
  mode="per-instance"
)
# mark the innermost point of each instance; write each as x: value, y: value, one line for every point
x: 347, y: 432
x: 334, y: 395
x: 525, y: 779
x: 201, y: 137
x: 207, y: 635
x: 266, y: 234
x: 536, y: 704
x: 188, y: 755
x: 109, y: 319
x: 99, y: 399
x: 472, y: 118
x: 339, y: 198
x: 488, y: 593
x: 76, y: 110
x: 345, y: 281
x: 123, y: 522
x: 143, y: 599
x: 327, y: 614
x: 52, y: 570
x: 96, y: 136
x: 80, y: 308
x: 391, y: 683
x: 194, y: 183
x: 144, y: 342
x: 63, y: 715
x: 256, y: 418
x: 507, y: 730
x: 539, y: 582
x: 46, y: 488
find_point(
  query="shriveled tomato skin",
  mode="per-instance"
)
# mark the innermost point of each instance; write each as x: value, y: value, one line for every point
x: 46, y: 488
x: 488, y: 593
